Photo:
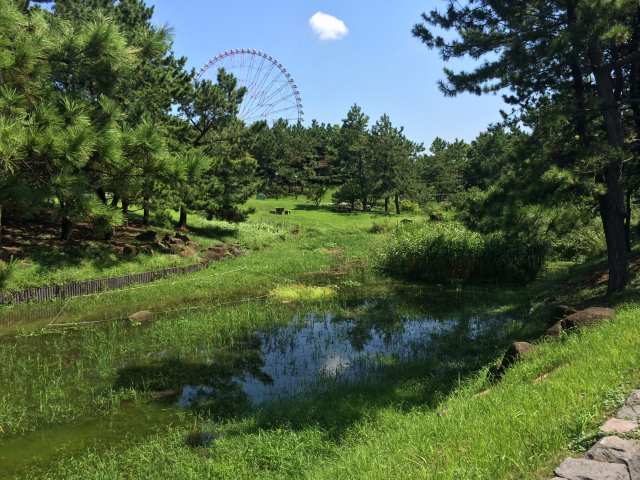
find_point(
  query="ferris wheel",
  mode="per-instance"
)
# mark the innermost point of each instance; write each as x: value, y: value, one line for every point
x: 272, y: 93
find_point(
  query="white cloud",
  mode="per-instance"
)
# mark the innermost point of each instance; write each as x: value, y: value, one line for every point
x: 328, y: 27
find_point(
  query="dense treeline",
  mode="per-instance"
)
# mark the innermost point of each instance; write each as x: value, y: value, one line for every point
x: 97, y: 114
x: 571, y: 69
x: 96, y: 109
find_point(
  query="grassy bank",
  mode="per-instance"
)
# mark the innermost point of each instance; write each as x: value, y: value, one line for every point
x: 98, y: 400
x: 544, y: 409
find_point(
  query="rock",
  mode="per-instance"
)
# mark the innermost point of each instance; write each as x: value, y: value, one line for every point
x: 148, y: 236
x: 616, y: 425
x: 129, y: 251
x: 515, y: 352
x: 141, y: 316
x: 555, y: 330
x: 181, y: 236
x: 162, y: 394
x: 583, y: 469
x: 617, y: 450
x: 215, y: 253
x: 587, y: 317
x: 629, y: 412
x: 634, y: 398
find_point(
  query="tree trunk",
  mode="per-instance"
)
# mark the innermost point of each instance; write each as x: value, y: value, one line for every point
x: 612, y: 208
x: 66, y: 228
x: 101, y: 195
x: 386, y: 204
x: 145, y: 215
x: 0, y: 224
x: 396, y: 200
x: 115, y: 200
x: 627, y: 220
x: 182, y: 223
x: 125, y: 212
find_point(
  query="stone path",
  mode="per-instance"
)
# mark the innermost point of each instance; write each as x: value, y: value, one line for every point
x: 614, y: 457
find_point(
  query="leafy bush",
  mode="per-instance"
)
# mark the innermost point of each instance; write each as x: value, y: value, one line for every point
x: 103, y: 219
x: 6, y: 270
x: 409, y: 206
x: 446, y: 252
x: 379, y: 227
x: 162, y: 218
x: 579, y: 243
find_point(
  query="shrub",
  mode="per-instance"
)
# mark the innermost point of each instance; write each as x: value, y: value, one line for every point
x: 103, y: 219
x: 409, y: 206
x: 579, y: 243
x: 162, y: 218
x: 378, y: 228
x: 446, y: 252
x: 6, y: 270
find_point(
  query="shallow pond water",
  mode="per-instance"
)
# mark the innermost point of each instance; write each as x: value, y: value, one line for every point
x: 311, y: 352
x: 320, y: 350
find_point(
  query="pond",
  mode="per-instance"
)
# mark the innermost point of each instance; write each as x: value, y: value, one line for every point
x: 310, y: 353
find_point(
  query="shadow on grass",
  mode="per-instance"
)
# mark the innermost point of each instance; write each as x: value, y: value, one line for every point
x: 454, y: 353
x: 213, y: 232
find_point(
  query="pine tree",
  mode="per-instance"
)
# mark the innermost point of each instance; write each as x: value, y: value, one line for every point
x: 546, y: 51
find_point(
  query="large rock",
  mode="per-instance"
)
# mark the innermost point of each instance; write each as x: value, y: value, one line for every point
x: 617, y: 450
x: 515, y: 352
x: 617, y: 425
x: 555, y: 330
x: 587, y: 317
x: 584, y: 469
x: 631, y: 408
x: 141, y: 316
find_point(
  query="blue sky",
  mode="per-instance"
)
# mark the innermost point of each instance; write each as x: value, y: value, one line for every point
x: 377, y: 64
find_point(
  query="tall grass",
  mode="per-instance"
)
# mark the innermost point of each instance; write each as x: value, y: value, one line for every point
x: 444, y: 252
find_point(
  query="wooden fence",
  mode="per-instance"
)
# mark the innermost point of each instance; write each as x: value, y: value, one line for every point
x: 88, y: 287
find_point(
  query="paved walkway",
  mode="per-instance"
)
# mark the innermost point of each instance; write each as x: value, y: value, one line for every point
x: 616, y: 456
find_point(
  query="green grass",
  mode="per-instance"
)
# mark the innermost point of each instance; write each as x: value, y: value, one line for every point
x: 63, y: 380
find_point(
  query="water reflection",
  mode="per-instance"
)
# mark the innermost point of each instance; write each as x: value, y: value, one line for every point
x: 320, y: 350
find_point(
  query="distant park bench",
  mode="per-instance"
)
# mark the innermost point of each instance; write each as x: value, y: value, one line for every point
x: 280, y: 211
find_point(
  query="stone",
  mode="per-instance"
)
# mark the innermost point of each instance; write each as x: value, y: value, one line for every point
x: 164, y: 394
x: 634, y: 398
x: 515, y: 352
x: 141, y: 316
x: 584, y: 469
x: 587, y: 317
x: 181, y: 236
x: 617, y: 450
x: 616, y: 425
x: 555, y: 330
x: 629, y: 412
x: 148, y: 236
